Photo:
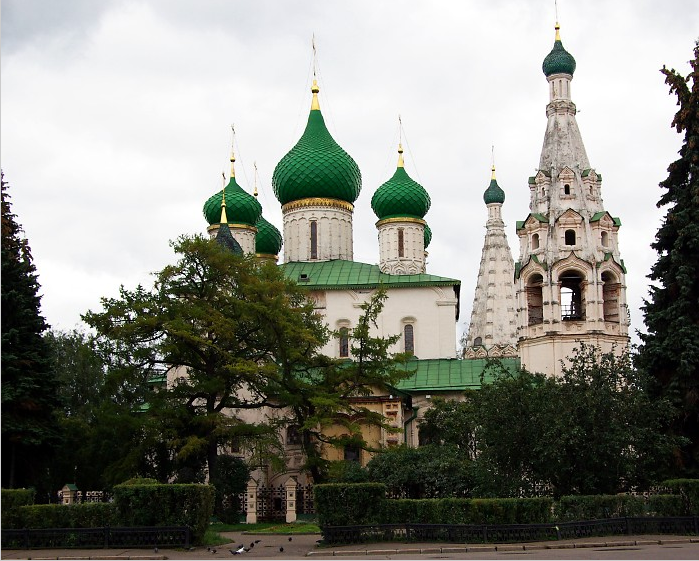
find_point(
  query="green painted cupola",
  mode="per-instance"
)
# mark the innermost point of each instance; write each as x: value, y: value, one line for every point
x: 558, y: 61
x: 400, y: 196
x: 317, y: 167
x: 242, y: 207
x: 268, y: 239
x: 494, y: 193
x: 428, y: 235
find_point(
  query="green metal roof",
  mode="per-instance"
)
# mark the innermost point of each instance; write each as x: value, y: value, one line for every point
x: 340, y: 274
x: 444, y: 374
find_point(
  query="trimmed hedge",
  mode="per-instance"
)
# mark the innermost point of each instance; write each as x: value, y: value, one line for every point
x: 358, y: 504
x: 688, y: 489
x: 348, y: 504
x: 468, y: 511
x: 11, y: 500
x: 85, y: 515
x: 166, y: 505
x: 596, y: 507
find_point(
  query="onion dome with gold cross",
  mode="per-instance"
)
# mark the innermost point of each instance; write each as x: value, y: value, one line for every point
x: 400, y: 196
x: 316, y: 167
x: 242, y: 207
x: 494, y: 193
x: 558, y: 61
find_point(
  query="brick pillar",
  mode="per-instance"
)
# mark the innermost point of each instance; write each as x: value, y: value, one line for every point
x: 251, y: 510
x: 290, y: 489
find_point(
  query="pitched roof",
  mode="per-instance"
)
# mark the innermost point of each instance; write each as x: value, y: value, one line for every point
x: 338, y: 274
x: 445, y: 374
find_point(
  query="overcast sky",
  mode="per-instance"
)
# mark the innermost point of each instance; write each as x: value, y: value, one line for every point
x: 116, y: 119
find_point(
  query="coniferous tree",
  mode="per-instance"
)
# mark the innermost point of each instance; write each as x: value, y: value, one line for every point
x: 670, y: 350
x: 29, y: 387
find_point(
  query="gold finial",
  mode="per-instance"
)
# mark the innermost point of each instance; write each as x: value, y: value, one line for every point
x: 254, y: 191
x: 401, y: 163
x: 224, y: 218
x: 232, y: 151
x: 558, y: 34
x: 315, y: 106
x: 492, y: 175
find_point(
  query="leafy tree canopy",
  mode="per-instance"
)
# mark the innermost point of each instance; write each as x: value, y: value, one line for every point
x: 216, y: 327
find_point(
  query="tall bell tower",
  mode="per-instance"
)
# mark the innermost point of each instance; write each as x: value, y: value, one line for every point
x: 571, y: 286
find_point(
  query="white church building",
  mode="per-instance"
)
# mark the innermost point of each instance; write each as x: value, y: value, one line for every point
x: 567, y: 285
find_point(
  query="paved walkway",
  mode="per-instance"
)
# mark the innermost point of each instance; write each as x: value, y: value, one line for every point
x: 300, y: 546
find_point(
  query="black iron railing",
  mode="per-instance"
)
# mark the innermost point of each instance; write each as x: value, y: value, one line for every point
x: 503, y: 533
x: 49, y: 538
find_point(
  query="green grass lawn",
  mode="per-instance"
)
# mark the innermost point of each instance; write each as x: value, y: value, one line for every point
x: 213, y: 534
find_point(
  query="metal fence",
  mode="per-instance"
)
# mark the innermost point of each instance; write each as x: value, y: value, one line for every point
x: 271, y: 502
x: 503, y: 533
x: 49, y: 538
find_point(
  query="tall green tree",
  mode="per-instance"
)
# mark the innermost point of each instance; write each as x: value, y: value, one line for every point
x: 216, y: 326
x: 670, y: 348
x: 29, y: 387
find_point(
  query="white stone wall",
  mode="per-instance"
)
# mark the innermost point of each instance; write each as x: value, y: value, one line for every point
x: 243, y: 234
x: 413, y: 260
x: 334, y: 232
x: 431, y: 311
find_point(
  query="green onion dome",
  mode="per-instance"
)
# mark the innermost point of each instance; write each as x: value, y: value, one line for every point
x: 400, y: 195
x: 268, y: 239
x: 494, y: 194
x: 558, y: 61
x: 317, y: 167
x: 242, y: 207
x: 428, y: 235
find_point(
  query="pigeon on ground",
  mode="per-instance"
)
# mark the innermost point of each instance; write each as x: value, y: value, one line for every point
x: 258, y: 541
x: 281, y: 549
x: 155, y: 549
x: 252, y: 544
x: 289, y: 538
x: 241, y: 549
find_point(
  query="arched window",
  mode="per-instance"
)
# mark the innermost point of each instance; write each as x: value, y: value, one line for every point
x: 478, y: 341
x: 570, y: 237
x: 409, y: 338
x: 605, y: 239
x: 314, y: 239
x: 610, y: 297
x: 535, y: 241
x: 535, y: 300
x: 344, y: 342
x: 401, y: 243
x: 572, y: 301
x: 566, y: 189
